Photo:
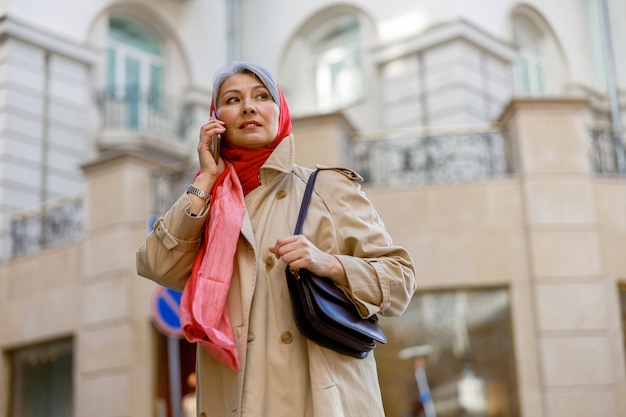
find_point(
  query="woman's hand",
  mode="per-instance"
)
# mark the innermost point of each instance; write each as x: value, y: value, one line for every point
x: 208, y: 165
x: 210, y: 170
x: 300, y: 253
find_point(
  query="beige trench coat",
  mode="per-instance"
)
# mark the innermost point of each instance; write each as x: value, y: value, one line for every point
x: 283, y: 374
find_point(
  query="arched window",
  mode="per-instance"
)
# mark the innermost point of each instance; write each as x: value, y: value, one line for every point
x: 529, y: 68
x: 540, y: 68
x: 335, y: 62
x: 134, y: 69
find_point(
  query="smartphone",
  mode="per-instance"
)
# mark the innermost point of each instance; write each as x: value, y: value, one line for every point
x: 215, y: 144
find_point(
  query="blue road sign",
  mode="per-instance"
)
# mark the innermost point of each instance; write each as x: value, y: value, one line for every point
x: 166, y: 311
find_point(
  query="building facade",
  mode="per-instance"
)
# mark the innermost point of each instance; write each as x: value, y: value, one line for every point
x: 488, y: 133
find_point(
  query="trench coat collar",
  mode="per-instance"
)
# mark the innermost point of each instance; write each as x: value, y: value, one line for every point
x: 282, y: 158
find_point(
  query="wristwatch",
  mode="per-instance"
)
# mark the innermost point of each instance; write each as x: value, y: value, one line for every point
x: 196, y: 191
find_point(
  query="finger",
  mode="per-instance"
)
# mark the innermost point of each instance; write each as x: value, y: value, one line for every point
x: 207, y: 132
x: 213, y: 126
x: 299, y: 254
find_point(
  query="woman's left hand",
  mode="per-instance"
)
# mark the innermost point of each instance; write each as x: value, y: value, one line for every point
x: 300, y: 253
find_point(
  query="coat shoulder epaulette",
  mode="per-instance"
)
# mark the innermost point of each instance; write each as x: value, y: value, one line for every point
x: 347, y: 172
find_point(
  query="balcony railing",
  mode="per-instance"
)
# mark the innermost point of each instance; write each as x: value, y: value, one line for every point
x: 167, y: 186
x: 147, y: 113
x: 52, y: 224
x: 406, y: 157
x: 411, y: 157
x: 606, y: 146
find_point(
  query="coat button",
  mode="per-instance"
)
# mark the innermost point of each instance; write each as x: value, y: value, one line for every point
x: 281, y: 194
x: 286, y: 337
x: 269, y: 261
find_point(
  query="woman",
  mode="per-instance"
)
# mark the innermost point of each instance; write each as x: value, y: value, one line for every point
x: 227, y: 242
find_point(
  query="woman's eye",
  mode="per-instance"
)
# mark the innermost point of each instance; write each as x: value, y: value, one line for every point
x: 231, y: 100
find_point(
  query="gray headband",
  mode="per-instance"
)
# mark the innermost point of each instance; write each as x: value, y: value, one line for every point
x: 239, y: 67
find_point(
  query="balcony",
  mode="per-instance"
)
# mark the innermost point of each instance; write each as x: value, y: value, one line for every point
x: 167, y: 186
x: 51, y: 224
x: 606, y: 151
x: 395, y: 158
x: 430, y: 156
x: 146, y: 120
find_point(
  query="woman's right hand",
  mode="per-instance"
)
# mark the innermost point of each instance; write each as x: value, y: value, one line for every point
x: 210, y: 170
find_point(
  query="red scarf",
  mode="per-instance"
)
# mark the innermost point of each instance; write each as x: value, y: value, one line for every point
x: 248, y: 162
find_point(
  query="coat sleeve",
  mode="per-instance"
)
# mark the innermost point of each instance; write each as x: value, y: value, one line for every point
x: 167, y: 255
x: 381, y: 275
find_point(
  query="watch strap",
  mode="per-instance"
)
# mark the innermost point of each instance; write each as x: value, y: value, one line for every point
x: 198, y: 192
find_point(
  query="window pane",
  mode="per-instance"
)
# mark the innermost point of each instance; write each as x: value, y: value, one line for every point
x: 133, y: 98
x: 111, y: 75
x: 530, y: 65
x: 42, y: 381
x: 135, y: 35
x: 156, y: 83
x: 455, y: 345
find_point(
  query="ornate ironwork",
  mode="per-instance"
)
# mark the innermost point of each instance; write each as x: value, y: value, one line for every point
x: 168, y: 186
x: 604, y: 147
x: 430, y: 157
x: 53, y: 224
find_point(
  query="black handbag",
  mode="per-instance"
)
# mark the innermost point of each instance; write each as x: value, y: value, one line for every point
x: 322, y: 312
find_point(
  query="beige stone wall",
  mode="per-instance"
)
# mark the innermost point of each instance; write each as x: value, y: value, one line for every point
x: 573, y: 298
x: 115, y: 349
x: 610, y: 197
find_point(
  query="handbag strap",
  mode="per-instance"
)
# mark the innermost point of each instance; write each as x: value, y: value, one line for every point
x: 305, y: 202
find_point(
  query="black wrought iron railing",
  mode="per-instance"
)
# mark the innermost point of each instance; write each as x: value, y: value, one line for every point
x: 419, y: 157
x: 167, y: 186
x: 154, y: 114
x: 607, y: 151
x: 395, y: 158
x: 52, y: 224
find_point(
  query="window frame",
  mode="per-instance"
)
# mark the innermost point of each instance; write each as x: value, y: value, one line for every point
x: 36, y: 355
x: 529, y: 68
x: 146, y: 96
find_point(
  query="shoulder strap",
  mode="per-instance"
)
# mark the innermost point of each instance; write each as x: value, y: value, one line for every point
x: 305, y: 202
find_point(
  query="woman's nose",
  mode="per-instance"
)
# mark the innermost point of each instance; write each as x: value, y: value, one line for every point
x: 248, y: 108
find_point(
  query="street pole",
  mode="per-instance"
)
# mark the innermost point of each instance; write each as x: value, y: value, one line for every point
x: 611, y: 83
x: 173, y: 356
x: 234, y: 30
x: 426, y: 396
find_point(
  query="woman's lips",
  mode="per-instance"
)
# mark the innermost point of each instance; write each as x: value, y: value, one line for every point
x: 248, y: 125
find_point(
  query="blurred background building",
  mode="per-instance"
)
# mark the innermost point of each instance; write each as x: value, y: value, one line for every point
x: 489, y: 134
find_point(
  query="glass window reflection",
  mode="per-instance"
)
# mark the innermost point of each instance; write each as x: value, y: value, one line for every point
x: 450, y: 355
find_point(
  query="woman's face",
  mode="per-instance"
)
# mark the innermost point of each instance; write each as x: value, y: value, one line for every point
x: 250, y: 113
